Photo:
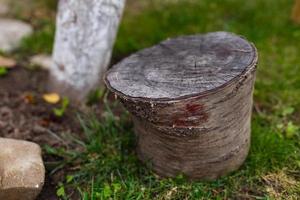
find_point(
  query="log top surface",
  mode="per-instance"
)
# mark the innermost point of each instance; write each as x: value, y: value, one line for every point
x: 182, y: 67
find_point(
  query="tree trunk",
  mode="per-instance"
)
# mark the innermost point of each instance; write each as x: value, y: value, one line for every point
x: 191, y: 101
x: 296, y: 12
x: 86, y: 31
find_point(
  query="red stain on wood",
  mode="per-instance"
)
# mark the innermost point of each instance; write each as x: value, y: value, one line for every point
x: 192, y: 115
x: 192, y: 108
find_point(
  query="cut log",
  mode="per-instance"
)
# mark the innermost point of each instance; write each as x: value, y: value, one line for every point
x: 191, y: 101
x: 85, y: 34
x: 296, y: 12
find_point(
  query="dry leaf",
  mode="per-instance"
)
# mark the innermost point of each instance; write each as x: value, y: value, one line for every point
x: 44, y: 122
x: 51, y: 98
x: 29, y: 98
x: 7, y: 62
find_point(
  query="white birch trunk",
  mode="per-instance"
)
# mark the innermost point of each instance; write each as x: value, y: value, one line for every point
x: 85, y: 34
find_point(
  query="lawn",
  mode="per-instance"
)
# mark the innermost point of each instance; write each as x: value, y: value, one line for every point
x: 104, y: 164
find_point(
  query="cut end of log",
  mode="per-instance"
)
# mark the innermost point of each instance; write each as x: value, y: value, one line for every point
x: 191, y: 101
x: 182, y: 67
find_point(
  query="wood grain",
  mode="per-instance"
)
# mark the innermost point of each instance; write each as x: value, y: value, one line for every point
x: 183, y: 66
x: 190, y: 118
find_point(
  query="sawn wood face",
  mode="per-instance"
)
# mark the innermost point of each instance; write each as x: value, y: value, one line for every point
x: 192, y: 114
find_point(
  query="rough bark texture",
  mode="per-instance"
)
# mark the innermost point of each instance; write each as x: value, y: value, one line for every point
x: 191, y: 100
x: 296, y: 12
x: 86, y: 31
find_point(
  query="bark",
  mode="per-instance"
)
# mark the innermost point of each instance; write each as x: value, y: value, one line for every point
x: 296, y: 12
x: 86, y: 31
x: 191, y: 101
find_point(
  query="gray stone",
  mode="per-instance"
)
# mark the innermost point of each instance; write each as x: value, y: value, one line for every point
x: 12, y: 32
x: 42, y: 60
x: 22, y: 172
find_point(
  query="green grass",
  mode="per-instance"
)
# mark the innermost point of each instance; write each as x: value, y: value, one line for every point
x: 41, y: 41
x: 41, y: 15
x: 107, y: 167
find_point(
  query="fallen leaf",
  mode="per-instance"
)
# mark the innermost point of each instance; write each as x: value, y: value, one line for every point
x: 7, y: 62
x: 52, y: 98
x: 44, y: 122
x: 29, y: 98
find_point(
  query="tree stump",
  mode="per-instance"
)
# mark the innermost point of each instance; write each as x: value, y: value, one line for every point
x: 191, y: 101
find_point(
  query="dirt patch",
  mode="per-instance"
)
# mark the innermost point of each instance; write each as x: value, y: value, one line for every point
x: 24, y: 115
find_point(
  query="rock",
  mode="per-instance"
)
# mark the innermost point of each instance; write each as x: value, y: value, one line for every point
x: 22, y: 172
x: 12, y: 32
x: 7, y: 62
x: 41, y: 60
